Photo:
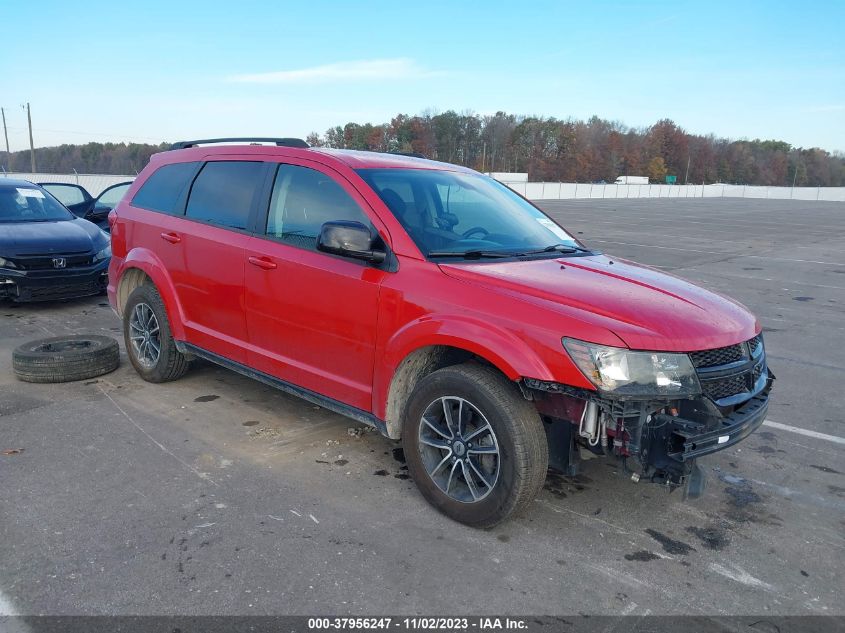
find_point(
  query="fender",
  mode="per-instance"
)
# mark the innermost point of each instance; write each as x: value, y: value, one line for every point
x: 147, y: 261
x: 507, y: 352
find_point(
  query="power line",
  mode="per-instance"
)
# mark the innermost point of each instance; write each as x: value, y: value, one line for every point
x: 41, y: 129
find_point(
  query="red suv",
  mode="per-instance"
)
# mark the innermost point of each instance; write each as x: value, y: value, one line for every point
x: 435, y: 304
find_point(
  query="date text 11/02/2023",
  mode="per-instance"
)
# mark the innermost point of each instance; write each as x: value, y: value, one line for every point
x: 417, y: 623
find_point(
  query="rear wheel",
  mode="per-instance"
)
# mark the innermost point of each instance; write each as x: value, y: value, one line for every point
x: 149, y: 342
x: 475, y: 447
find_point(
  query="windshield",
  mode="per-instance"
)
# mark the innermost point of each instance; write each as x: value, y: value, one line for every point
x: 449, y: 212
x: 23, y: 203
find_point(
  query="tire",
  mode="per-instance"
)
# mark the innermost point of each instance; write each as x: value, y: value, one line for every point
x: 145, y: 306
x: 65, y: 358
x: 476, y: 396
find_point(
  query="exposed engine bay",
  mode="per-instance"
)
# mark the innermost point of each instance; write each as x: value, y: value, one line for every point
x: 657, y: 441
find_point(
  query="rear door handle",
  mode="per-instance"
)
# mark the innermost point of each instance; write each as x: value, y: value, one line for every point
x: 263, y: 262
x: 171, y: 237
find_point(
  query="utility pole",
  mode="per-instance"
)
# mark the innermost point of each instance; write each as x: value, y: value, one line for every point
x: 686, y: 177
x: 31, y: 143
x: 5, y: 131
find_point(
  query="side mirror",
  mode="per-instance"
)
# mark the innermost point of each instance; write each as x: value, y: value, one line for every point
x: 349, y: 239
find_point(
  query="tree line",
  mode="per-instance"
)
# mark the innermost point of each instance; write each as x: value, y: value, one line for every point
x: 549, y: 149
x: 595, y: 150
x: 90, y: 158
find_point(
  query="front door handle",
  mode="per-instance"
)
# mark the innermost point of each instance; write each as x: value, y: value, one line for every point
x: 171, y: 237
x: 263, y: 262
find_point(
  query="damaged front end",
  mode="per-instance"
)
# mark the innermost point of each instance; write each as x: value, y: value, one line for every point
x: 719, y: 398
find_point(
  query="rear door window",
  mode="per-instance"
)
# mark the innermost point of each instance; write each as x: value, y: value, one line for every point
x: 224, y: 193
x: 163, y: 190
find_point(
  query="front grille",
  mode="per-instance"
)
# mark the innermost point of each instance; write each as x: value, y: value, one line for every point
x: 719, y: 356
x: 726, y: 387
x: 722, y: 372
x: 45, y: 262
x: 64, y: 291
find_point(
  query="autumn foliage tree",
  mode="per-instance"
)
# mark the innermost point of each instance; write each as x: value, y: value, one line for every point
x: 657, y: 169
x: 570, y: 150
x: 550, y: 149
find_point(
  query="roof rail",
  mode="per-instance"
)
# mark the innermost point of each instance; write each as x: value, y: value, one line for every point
x: 281, y: 142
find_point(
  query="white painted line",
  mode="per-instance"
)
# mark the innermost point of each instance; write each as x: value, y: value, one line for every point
x: 800, y: 496
x: 794, y: 429
x: 728, y: 255
x: 694, y: 269
x: 629, y: 608
x: 203, y: 476
x: 740, y: 575
x: 6, y: 608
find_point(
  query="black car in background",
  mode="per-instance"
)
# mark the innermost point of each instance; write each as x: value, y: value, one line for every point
x: 83, y: 204
x: 46, y: 252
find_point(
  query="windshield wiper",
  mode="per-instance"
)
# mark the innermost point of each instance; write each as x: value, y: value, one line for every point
x: 561, y: 248
x: 470, y: 254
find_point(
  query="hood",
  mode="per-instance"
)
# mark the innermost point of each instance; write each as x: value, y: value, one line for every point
x: 42, y: 238
x: 646, y: 308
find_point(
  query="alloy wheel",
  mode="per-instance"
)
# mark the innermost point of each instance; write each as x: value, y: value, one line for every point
x: 459, y: 449
x: 145, y: 335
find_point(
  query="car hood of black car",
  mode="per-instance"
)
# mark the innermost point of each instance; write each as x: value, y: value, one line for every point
x: 42, y: 238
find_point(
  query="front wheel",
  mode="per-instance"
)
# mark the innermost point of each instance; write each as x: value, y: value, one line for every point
x: 475, y: 447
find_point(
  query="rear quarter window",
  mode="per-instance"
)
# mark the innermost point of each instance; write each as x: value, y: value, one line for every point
x: 163, y: 190
x: 224, y: 193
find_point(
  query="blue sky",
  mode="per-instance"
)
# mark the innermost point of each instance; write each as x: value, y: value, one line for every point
x: 153, y: 71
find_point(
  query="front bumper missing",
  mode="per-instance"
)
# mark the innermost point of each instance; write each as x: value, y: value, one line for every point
x: 658, y: 440
x: 689, y: 442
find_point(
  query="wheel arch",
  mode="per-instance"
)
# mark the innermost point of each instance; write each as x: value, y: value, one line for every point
x: 426, y: 346
x: 142, y: 267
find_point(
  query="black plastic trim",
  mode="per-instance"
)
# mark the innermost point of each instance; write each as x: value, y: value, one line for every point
x: 736, y: 426
x: 280, y: 142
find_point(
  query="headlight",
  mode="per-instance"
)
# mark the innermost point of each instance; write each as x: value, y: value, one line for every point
x: 626, y: 373
x: 103, y: 254
x: 5, y: 263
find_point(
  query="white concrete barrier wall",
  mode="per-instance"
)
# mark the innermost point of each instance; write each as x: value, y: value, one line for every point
x: 569, y: 191
x: 95, y: 183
